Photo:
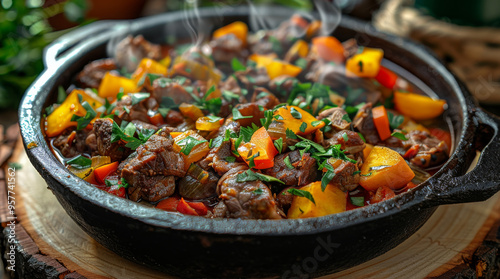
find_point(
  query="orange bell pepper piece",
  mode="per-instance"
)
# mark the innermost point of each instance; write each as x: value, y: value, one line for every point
x: 365, y: 64
x: 206, y: 124
x: 237, y: 28
x: 385, y: 167
x: 197, y: 152
x: 300, y: 48
x: 295, y: 121
x: 191, y: 111
x: 418, y: 107
x: 262, y: 60
x: 111, y: 85
x: 381, y: 121
x: 148, y: 66
x: 262, y: 144
x: 102, y: 172
x: 313, y: 29
x: 329, y: 49
x: 279, y: 68
x: 156, y: 119
x: 60, y: 119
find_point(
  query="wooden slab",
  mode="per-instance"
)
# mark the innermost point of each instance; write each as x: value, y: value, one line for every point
x: 451, y: 236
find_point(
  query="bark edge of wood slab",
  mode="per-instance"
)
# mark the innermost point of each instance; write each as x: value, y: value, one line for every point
x: 190, y: 246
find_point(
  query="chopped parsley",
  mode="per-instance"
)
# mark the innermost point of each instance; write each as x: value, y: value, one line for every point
x: 358, y: 201
x: 399, y: 135
x: 249, y: 175
x: 188, y: 144
x: 247, y: 132
x: 395, y: 120
x: 295, y: 113
x: 288, y: 164
x: 303, y: 127
x: 230, y: 159
x: 237, y: 115
x: 290, y: 134
x: 268, y: 118
x: 83, y: 121
x: 132, y: 142
x: 258, y: 191
x: 80, y: 162
x: 301, y: 193
x: 138, y: 97
x: 279, y: 145
x: 316, y: 123
x: 237, y: 65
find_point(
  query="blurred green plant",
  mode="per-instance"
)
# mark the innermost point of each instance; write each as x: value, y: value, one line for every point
x: 23, y: 35
x: 297, y: 4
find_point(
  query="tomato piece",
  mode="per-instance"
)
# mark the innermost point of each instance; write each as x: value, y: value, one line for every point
x: 383, y: 193
x: 184, y: 208
x: 199, y: 207
x: 168, y: 204
x: 102, y: 172
x: 116, y: 190
x: 412, y: 152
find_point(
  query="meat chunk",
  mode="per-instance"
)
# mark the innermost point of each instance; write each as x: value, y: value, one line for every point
x: 151, y: 166
x: 226, y: 48
x: 253, y: 77
x: 92, y: 74
x: 71, y: 148
x: 431, y: 151
x: 262, y: 97
x: 246, y: 200
x: 175, y: 89
x: 363, y: 122
x: 349, y: 141
x: 337, y: 118
x: 130, y: 51
x: 346, y: 174
x: 250, y: 109
x: 282, y: 85
x: 129, y: 112
x: 304, y: 169
x: 99, y: 141
x: 284, y: 199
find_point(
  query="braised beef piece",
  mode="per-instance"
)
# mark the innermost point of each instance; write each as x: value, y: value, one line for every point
x: 99, y: 141
x: 230, y: 85
x: 250, y: 109
x: 72, y: 148
x: 350, y: 47
x: 276, y: 41
x: 304, y: 169
x: 363, y: 122
x: 92, y: 74
x: 252, y: 77
x: 431, y: 151
x: 220, y: 210
x: 337, y: 118
x: 128, y: 112
x: 151, y: 171
x: 130, y: 51
x: 346, y: 174
x: 173, y: 88
x: 352, y: 145
x: 225, y: 48
x: 284, y: 199
x: 216, y: 158
x: 143, y: 125
x: 262, y: 97
x: 246, y: 200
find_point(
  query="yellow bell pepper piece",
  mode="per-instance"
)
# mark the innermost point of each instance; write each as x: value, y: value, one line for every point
x: 366, y: 151
x: 191, y: 111
x: 194, y: 70
x: 60, y: 119
x: 262, y: 60
x: 418, y: 107
x: 385, y: 167
x: 300, y: 47
x: 331, y: 201
x: 279, y: 68
x: 237, y: 28
x: 111, y: 85
x: 206, y: 124
x: 294, y: 117
x: 365, y: 64
x: 148, y: 66
x: 197, y: 153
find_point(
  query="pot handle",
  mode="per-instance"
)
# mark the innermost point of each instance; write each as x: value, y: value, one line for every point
x: 483, y: 181
x: 54, y: 51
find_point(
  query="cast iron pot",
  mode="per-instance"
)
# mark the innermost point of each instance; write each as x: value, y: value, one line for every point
x: 191, y: 246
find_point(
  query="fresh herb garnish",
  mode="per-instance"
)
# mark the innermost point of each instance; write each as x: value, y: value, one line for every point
x: 301, y: 193
x: 295, y: 113
x: 251, y: 160
x: 120, y: 94
x: 258, y: 191
x: 188, y: 144
x: 138, y: 97
x: 301, y: 62
x: 247, y: 132
x: 346, y: 118
x: 82, y: 122
x: 303, y: 127
x: 399, y: 135
x: 230, y: 159
x: 164, y: 111
x: 142, y: 136
x: 61, y: 95
x: 237, y: 115
x: 268, y: 118
x: 229, y: 95
x: 316, y: 123
x: 290, y: 134
x: 249, y: 175
x: 279, y: 117
x: 288, y: 164
x: 279, y: 145
x: 361, y: 136
x: 327, y: 177
x: 80, y: 162
x: 345, y: 137
x: 395, y: 120
x: 237, y: 65
x: 368, y: 174
x: 358, y: 201
x: 356, y: 172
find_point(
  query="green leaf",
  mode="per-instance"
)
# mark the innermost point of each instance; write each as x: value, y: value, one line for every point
x: 167, y: 102
x: 361, y: 136
x: 399, y: 135
x: 301, y: 193
x: 251, y: 162
x: 301, y: 62
x: 358, y: 201
x: 249, y: 175
x: 295, y: 113
x: 279, y: 145
x: 258, y: 191
x: 80, y: 162
x: 317, y: 146
x: 303, y: 127
x: 237, y: 115
x: 229, y: 95
x: 327, y: 177
x: 279, y: 117
x: 288, y: 164
x: 290, y: 134
x: 138, y: 97
x: 230, y: 159
x: 188, y: 144
x: 82, y: 122
x: 346, y: 118
x: 268, y: 118
x: 119, y: 96
x: 345, y: 137
x: 395, y: 120
x: 237, y: 65
x: 61, y: 95
x: 164, y: 112
x: 130, y: 129
x: 316, y: 123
